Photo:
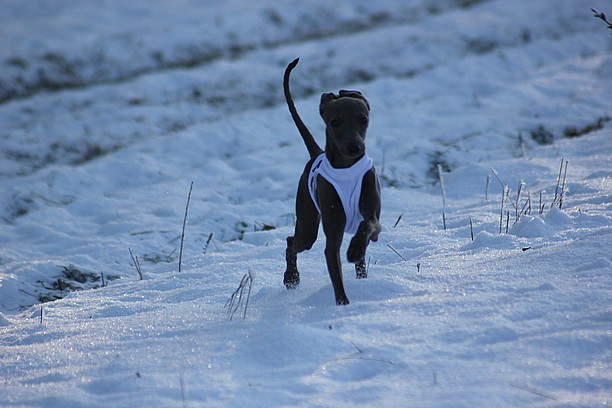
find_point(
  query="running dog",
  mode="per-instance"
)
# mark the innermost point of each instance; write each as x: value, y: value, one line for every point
x: 338, y: 187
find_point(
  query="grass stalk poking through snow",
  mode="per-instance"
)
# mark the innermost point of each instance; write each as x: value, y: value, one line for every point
x: 443, y: 196
x: 501, y: 212
x: 527, y: 207
x: 560, y: 188
x: 563, y: 186
x: 397, y: 253
x: 507, y: 220
x: 517, y: 213
x: 208, y: 241
x: 471, y: 229
x: 183, y: 391
x: 534, y: 391
x: 398, y: 220
x: 136, y: 262
x: 183, y: 231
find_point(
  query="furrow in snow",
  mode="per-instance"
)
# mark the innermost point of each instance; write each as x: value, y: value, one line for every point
x: 209, y: 36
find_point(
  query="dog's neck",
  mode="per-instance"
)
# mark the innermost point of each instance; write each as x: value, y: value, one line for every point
x: 338, y: 160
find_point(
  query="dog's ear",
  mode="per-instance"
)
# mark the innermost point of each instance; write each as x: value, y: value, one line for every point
x: 325, y: 99
x: 354, y: 94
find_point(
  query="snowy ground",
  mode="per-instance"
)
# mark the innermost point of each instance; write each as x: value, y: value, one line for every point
x: 109, y: 112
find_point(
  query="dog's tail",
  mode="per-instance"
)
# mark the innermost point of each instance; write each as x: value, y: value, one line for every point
x: 311, y: 144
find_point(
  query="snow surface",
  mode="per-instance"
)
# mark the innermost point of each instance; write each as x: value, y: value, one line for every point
x: 111, y: 109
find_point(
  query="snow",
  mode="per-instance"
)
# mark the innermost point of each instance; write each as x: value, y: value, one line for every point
x: 111, y: 109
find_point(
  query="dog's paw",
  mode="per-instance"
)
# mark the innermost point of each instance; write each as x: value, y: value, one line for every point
x: 356, y: 250
x: 342, y: 301
x: 361, y: 270
x: 291, y: 280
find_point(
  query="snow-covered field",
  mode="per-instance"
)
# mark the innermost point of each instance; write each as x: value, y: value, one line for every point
x: 109, y: 110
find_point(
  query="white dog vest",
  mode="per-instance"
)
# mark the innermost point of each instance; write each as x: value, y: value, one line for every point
x: 347, y: 183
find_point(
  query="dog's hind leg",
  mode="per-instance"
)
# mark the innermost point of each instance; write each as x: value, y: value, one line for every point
x: 301, y: 241
x: 292, y: 276
x: 306, y: 231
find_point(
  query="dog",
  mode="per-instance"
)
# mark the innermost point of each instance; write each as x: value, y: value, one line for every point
x: 338, y: 187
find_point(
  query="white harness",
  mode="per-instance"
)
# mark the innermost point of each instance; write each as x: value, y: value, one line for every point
x: 346, y: 181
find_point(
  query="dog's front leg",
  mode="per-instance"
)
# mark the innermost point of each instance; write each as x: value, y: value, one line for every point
x: 334, y: 220
x: 369, y: 228
x: 366, y: 232
x: 334, y: 267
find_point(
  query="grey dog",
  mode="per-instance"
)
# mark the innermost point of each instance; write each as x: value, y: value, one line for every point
x: 339, y: 187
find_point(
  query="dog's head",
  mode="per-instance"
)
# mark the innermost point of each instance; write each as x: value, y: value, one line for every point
x: 346, y: 117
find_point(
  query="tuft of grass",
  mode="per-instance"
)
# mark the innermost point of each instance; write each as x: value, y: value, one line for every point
x: 466, y: 4
x: 572, y: 131
x: 157, y: 258
x: 525, y: 207
x: 263, y: 227
x: 71, y: 279
x: 91, y: 152
x: 542, y: 136
x: 20, y: 206
x: 436, y: 161
x: 560, y: 188
x: 237, y: 300
x: 480, y: 45
x: 241, y: 228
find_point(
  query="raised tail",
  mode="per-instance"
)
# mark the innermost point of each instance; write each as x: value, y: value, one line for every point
x: 311, y: 144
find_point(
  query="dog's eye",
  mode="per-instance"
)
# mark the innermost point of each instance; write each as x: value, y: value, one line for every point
x: 335, y: 122
x: 363, y: 120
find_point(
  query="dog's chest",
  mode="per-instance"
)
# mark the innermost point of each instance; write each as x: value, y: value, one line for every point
x: 347, y: 183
